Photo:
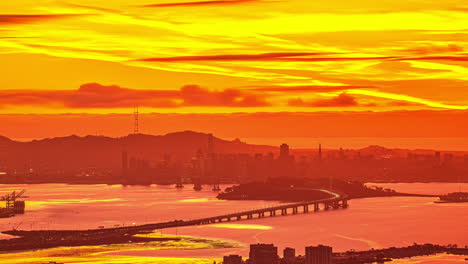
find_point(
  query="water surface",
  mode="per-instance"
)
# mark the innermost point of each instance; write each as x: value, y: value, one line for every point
x: 367, y: 223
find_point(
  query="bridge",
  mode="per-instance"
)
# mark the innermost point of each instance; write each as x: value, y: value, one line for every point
x: 337, y: 201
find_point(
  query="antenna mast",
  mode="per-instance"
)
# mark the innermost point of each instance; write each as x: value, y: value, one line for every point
x: 135, y: 116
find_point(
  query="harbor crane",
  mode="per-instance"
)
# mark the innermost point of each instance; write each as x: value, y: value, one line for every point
x: 12, y: 202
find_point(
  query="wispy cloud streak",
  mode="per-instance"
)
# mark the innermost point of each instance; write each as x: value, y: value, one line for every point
x: 234, y: 57
x: 24, y: 19
x: 201, y: 3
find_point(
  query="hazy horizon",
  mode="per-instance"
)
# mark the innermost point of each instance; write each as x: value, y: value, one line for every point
x: 442, y: 130
x: 311, y: 143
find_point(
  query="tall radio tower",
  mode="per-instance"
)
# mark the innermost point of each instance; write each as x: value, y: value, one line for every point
x: 135, y: 116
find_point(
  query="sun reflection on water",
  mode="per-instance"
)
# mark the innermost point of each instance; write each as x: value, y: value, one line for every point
x: 104, y: 254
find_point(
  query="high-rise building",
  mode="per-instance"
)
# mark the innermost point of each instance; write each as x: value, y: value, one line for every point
x: 285, y: 164
x: 320, y: 152
x: 132, y: 163
x: 341, y: 154
x: 210, y: 144
x: 289, y: 254
x: 448, y: 158
x: 232, y: 259
x: 124, y: 164
x: 318, y: 255
x: 263, y: 254
x: 284, y: 151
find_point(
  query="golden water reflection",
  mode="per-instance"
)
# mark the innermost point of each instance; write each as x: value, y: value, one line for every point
x: 104, y: 254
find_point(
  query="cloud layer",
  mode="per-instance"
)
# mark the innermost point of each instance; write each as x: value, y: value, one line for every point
x: 98, y: 96
x: 342, y: 100
x: 94, y: 95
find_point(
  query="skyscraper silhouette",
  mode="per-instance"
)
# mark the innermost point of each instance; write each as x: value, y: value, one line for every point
x: 284, y: 151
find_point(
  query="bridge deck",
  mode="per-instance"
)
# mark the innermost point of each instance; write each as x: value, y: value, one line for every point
x: 333, y: 202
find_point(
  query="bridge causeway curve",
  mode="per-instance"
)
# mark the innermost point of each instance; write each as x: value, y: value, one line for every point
x: 335, y: 202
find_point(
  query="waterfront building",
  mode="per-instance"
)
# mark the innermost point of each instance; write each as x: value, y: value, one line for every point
x: 232, y: 259
x: 263, y: 254
x: 318, y: 255
x: 289, y: 254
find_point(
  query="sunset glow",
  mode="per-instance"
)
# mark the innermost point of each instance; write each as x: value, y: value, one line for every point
x: 232, y: 56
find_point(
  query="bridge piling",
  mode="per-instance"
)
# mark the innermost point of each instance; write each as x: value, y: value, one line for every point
x: 295, y: 209
x: 336, y: 204
x: 316, y: 207
x: 345, y: 203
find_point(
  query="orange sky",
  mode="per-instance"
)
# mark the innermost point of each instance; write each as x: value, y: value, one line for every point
x: 228, y: 56
x: 443, y: 130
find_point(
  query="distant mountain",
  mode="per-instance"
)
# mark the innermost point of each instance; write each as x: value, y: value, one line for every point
x: 378, y: 151
x: 74, y: 152
x: 5, y: 140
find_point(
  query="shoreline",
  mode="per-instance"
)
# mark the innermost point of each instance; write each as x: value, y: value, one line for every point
x: 37, y: 240
x: 172, y: 184
x: 380, y: 255
x: 388, y: 254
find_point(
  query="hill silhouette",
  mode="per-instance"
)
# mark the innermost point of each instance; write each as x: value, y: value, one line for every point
x: 75, y: 152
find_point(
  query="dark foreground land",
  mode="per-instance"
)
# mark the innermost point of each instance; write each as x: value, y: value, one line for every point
x: 48, y: 239
x: 33, y: 240
x: 387, y: 254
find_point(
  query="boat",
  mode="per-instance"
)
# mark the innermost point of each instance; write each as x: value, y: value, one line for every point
x: 216, y: 188
x: 455, y: 197
x: 197, y: 187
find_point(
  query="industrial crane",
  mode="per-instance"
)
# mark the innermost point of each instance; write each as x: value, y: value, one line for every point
x: 12, y: 203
